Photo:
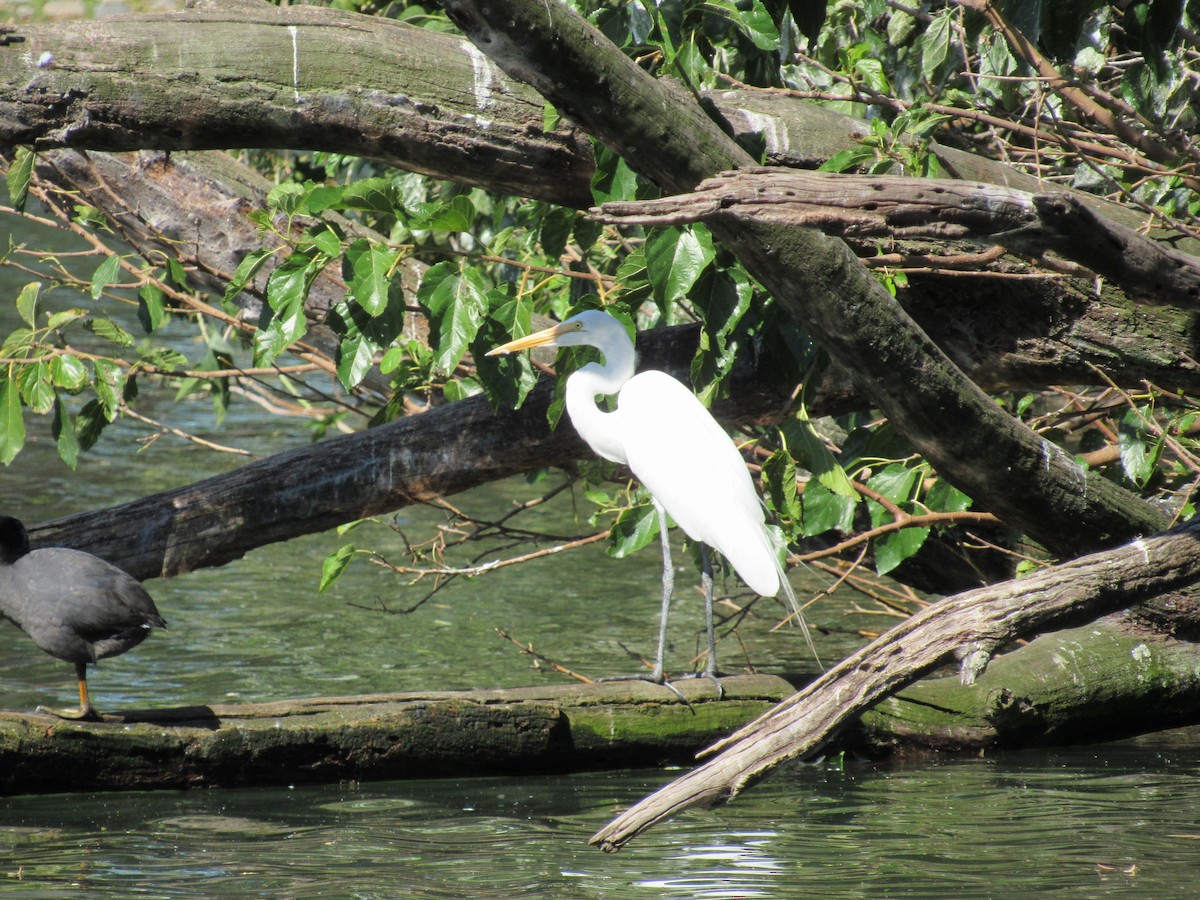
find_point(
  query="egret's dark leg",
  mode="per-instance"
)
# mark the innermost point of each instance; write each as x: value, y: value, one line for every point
x: 86, y: 711
x: 706, y: 580
x: 668, y: 588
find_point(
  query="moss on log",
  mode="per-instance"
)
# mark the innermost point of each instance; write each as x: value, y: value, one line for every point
x: 412, y: 735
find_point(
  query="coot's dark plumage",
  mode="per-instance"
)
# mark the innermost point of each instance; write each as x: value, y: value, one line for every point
x: 73, y: 605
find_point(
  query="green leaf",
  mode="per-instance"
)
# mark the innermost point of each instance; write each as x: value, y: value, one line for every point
x: 334, y: 565
x: 355, y: 355
x: 110, y: 331
x: 19, y: 175
x: 935, y: 45
x: 613, y: 178
x: 63, y: 433
x: 456, y: 302
x: 12, y: 422
x: 506, y: 380
x: 27, y: 303
x: 152, y: 307
x: 371, y: 195
x: 246, y: 270
x: 814, y: 456
x: 286, y: 197
x: 69, y: 372
x: 90, y: 421
x: 287, y: 289
x: 893, y: 549
x: 675, y: 260
x: 66, y: 317
x: 37, y: 389
x: 105, y: 274
x: 459, y: 215
x: 370, y: 279
x: 108, y: 383
x: 945, y: 497
x: 1140, y: 448
x: 895, y: 482
x: 758, y: 25
x: 779, y: 474
x: 635, y: 527
x: 824, y: 510
x: 847, y: 159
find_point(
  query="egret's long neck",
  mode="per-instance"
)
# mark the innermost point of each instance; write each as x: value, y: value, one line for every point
x: 596, y: 380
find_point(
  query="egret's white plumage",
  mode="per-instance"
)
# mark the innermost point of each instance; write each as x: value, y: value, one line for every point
x: 676, y: 449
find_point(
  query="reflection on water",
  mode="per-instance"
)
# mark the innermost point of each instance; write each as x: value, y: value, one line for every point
x: 1114, y: 821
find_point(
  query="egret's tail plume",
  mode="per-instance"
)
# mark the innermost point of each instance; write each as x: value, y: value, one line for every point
x: 798, y: 615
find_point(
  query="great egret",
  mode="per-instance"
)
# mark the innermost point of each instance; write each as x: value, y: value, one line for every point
x: 677, y: 450
x: 73, y: 605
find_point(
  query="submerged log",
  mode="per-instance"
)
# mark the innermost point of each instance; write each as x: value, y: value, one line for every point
x: 411, y: 735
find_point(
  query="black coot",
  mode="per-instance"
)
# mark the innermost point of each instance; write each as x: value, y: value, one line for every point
x: 73, y: 605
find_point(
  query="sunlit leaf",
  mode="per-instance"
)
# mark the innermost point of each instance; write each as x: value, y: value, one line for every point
x: 675, y: 260
x: 12, y: 422
x: 814, y: 456
x: 18, y: 177
x: 37, y: 389
x: 456, y: 301
x: 334, y: 565
x: 370, y: 274
x: 635, y: 527
x: 152, y: 307
x: 105, y: 274
x: 27, y: 303
x: 246, y: 270
x: 68, y: 372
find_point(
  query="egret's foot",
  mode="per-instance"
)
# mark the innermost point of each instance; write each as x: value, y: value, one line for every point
x: 714, y: 678
x: 653, y: 678
x: 83, y: 714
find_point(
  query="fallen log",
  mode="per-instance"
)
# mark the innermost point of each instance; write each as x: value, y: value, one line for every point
x: 372, y: 737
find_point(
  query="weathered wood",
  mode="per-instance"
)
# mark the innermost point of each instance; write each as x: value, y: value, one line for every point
x: 1102, y: 681
x: 969, y: 626
x: 903, y: 208
x: 425, y: 101
x: 411, y: 735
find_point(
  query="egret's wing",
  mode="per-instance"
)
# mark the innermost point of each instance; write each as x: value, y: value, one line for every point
x: 691, y: 466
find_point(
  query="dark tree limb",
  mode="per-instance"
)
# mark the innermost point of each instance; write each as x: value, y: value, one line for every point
x: 1028, y: 482
x: 969, y: 626
x: 905, y: 208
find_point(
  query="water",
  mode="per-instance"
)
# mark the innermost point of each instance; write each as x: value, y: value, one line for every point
x: 1096, y: 823
x: 1113, y: 820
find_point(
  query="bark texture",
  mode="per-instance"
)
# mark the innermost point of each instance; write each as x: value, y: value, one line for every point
x: 418, y: 735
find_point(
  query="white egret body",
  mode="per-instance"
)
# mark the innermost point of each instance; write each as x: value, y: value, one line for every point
x: 677, y: 450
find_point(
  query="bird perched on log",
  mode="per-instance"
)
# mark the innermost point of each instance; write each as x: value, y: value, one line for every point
x: 73, y: 605
x: 684, y: 458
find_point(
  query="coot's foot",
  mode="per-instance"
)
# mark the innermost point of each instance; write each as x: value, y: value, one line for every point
x: 83, y: 714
